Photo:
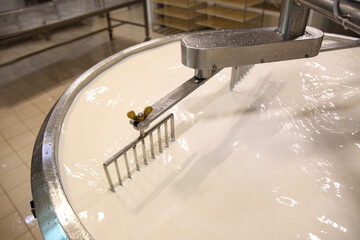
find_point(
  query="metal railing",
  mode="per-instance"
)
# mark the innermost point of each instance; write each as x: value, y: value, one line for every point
x: 123, y: 152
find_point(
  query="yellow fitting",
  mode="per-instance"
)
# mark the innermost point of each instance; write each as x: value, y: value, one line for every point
x: 141, y: 115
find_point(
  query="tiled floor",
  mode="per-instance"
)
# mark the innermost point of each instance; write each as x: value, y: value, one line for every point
x: 28, y: 89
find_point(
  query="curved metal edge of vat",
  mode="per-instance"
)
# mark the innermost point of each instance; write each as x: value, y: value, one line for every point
x: 56, y: 218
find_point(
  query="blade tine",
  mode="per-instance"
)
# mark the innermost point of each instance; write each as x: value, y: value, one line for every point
x: 237, y: 74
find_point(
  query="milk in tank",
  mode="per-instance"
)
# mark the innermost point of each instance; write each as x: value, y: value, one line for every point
x: 229, y: 134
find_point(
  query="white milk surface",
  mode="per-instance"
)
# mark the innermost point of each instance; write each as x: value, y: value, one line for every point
x: 277, y: 158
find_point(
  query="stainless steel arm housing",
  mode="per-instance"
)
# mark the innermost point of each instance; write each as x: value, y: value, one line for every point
x: 291, y: 39
x: 205, y: 51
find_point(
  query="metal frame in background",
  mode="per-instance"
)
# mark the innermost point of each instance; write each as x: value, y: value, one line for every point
x: 12, y: 36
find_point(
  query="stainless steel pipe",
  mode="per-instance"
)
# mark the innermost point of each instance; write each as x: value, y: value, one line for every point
x: 349, y: 11
x: 293, y: 19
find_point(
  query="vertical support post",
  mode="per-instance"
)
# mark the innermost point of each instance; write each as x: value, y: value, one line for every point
x: 144, y: 151
x: 245, y: 11
x: 118, y: 172
x: 172, y: 125
x: 293, y: 19
x: 127, y: 165
x: 159, y: 139
x: 108, y: 20
x: 166, y: 134
x: 146, y: 20
x: 136, y: 159
x: 263, y: 14
x: 109, y: 178
x: 152, y: 145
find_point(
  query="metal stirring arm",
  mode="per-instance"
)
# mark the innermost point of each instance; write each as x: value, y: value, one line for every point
x: 341, y: 42
x: 291, y: 39
x: 205, y: 51
x: 172, y: 98
x: 209, y: 52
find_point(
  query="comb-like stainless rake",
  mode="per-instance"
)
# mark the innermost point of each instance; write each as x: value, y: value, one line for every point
x: 238, y: 73
x: 123, y: 152
x: 142, y: 121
